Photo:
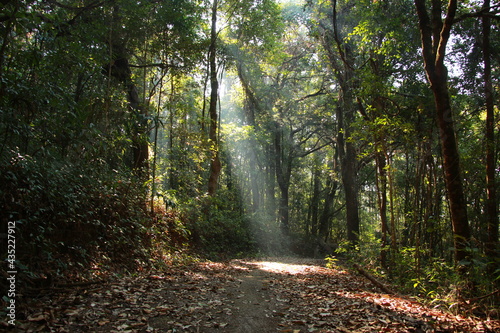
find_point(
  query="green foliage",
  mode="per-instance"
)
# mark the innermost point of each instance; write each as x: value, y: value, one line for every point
x: 68, y: 130
x: 331, y: 262
x: 71, y: 216
x: 217, y: 227
x: 432, y: 279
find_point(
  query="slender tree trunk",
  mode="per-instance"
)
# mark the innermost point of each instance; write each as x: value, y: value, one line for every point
x: 491, y: 205
x: 155, y: 147
x: 314, y: 204
x: 251, y: 105
x: 394, y: 243
x: 283, y: 173
x: 382, y: 205
x: 254, y: 181
x: 435, y: 34
x: 172, y: 177
x: 215, y: 164
x: 271, y: 181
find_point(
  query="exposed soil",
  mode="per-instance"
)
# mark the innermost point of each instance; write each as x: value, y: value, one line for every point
x: 278, y: 295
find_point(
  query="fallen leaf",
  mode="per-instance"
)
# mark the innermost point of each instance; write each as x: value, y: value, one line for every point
x: 37, y: 317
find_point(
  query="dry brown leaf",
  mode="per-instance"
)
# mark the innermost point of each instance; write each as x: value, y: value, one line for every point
x: 38, y: 317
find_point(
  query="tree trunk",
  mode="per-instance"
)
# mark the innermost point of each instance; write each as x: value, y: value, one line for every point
x: 284, y: 211
x: 270, y: 201
x: 349, y: 179
x: 140, y: 146
x: 314, y: 203
x: 491, y: 204
x: 326, y: 215
x: 254, y: 181
x: 348, y: 169
x: 382, y: 205
x: 435, y: 34
x: 251, y: 105
x: 341, y: 61
x: 119, y: 68
x: 215, y: 164
x: 283, y: 173
x: 172, y: 174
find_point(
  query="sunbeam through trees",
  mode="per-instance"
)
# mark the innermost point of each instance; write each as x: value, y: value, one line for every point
x: 137, y: 135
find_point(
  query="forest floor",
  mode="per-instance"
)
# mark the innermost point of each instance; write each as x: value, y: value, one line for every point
x: 275, y: 295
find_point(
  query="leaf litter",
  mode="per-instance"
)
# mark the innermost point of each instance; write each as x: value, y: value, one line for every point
x: 278, y: 295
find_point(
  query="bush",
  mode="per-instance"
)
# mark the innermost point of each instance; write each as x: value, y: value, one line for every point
x: 71, y: 216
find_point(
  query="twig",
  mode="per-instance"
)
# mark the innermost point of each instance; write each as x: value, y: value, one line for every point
x: 475, y: 299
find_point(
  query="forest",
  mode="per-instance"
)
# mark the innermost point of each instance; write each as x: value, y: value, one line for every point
x: 143, y: 133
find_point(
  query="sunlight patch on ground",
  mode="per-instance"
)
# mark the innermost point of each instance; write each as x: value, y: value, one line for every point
x: 280, y: 267
x: 409, y: 307
x: 240, y: 267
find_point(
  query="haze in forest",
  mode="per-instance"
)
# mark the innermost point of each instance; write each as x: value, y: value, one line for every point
x: 141, y: 134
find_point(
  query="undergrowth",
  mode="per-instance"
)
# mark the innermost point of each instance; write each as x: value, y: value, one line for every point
x: 435, y: 281
x: 78, y: 221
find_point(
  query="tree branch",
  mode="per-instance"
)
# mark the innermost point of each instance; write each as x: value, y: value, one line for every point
x: 445, y: 31
x: 315, y: 149
x: 425, y: 35
x: 377, y: 283
x: 159, y: 65
x: 336, y: 36
x: 318, y: 93
x: 490, y: 12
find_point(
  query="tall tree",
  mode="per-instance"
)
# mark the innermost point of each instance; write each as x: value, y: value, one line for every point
x: 491, y: 205
x: 435, y: 33
x: 342, y: 61
x: 215, y: 163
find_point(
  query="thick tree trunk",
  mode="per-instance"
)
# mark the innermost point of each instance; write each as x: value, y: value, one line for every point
x: 435, y: 34
x: 326, y: 215
x: 349, y: 179
x: 215, y: 164
x: 342, y: 62
x: 284, y: 211
x: 452, y: 172
x: 140, y: 146
x: 348, y: 169
x: 119, y: 69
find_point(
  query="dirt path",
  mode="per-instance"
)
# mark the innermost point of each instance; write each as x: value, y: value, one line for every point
x: 255, y: 307
x: 279, y: 295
